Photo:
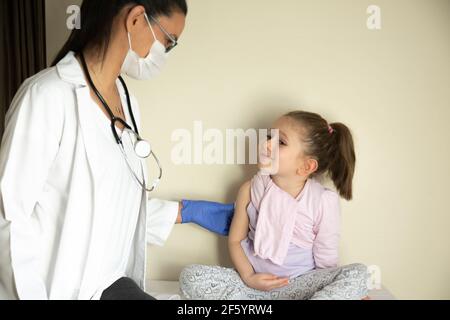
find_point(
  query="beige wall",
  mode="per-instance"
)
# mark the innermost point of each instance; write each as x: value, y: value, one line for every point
x: 240, y: 64
x: 57, y: 32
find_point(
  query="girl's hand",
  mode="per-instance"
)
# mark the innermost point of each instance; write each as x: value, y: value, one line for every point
x: 265, y: 281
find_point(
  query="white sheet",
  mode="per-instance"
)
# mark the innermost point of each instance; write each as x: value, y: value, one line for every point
x: 170, y: 290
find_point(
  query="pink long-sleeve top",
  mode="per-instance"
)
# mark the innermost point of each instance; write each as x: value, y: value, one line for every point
x: 290, y: 236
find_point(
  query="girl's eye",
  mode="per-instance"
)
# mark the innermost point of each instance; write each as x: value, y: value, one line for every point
x: 281, y: 142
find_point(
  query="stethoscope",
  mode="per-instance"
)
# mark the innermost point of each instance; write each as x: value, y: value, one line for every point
x: 142, y: 147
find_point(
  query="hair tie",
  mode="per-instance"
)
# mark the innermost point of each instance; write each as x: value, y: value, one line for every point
x: 330, y: 129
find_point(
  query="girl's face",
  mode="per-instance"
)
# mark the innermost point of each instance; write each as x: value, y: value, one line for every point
x: 290, y: 160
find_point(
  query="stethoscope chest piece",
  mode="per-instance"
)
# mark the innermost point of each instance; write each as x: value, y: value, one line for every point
x: 142, y: 148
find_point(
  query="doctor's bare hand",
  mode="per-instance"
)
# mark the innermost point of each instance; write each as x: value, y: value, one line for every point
x: 265, y: 281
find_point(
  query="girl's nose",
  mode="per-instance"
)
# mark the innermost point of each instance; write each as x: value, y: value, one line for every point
x: 269, y: 147
x: 264, y: 147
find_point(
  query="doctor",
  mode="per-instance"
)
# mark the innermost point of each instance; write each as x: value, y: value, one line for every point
x: 75, y: 216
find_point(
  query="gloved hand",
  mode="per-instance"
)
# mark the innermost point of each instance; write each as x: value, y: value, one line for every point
x: 215, y: 217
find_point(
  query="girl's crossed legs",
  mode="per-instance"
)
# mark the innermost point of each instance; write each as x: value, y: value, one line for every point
x: 198, y: 282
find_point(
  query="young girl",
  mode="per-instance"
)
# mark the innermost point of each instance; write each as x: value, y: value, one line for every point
x: 284, y: 236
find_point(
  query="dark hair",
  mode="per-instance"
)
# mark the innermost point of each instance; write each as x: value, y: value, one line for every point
x: 332, y: 146
x: 97, y: 18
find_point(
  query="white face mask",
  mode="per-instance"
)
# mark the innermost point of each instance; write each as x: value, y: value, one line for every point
x: 145, y: 68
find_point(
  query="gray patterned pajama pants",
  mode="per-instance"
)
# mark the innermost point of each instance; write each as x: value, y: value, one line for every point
x: 198, y: 282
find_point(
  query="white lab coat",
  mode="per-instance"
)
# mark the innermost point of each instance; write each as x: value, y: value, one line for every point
x: 50, y: 181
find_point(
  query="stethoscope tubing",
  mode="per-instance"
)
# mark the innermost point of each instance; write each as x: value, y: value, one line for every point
x: 114, y: 119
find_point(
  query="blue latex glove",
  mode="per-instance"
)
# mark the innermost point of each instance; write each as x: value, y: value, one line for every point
x: 213, y: 216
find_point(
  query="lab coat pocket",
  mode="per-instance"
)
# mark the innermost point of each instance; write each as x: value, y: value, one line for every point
x: 49, y: 209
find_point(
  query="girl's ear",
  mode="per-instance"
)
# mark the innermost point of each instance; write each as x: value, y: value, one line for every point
x: 310, y: 165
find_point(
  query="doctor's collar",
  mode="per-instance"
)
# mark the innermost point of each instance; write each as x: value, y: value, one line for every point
x: 69, y: 69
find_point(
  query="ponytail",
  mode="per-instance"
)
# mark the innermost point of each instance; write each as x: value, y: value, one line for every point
x: 342, y: 159
x: 332, y: 147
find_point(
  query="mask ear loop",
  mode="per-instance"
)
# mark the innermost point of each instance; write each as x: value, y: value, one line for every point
x: 129, y: 40
x: 150, y: 25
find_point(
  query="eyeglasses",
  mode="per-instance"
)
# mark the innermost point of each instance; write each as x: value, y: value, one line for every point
x: 173, y: 40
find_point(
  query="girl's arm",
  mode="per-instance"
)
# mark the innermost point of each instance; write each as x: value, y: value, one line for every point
x: 327, y: 229
x: 238, y: 232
